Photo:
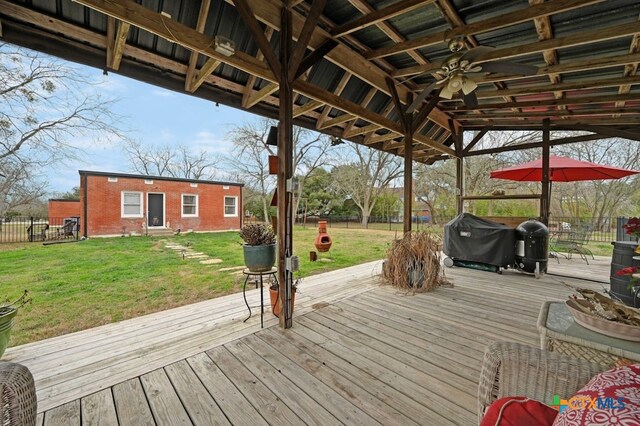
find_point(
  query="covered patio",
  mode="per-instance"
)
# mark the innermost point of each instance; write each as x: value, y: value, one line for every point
x: 408, y: 77
x: 357, y: 70
x: 358, y: 353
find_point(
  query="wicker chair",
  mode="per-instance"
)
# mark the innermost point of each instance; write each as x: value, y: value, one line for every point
x: 513, y: 369
x: 18, y: 404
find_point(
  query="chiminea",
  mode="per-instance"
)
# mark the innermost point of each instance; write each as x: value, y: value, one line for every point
x: 323, y: 240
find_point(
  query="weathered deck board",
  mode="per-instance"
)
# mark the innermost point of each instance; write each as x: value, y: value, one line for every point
x: 98, y: 409
x: 131, y: 404
x: 358, y: 354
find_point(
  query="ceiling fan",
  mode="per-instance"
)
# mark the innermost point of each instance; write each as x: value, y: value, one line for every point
x: 454, y: 73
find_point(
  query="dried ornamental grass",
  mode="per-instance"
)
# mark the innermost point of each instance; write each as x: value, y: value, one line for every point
x: 413, y: 263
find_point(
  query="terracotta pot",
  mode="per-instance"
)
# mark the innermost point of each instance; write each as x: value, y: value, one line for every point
x: 275, y: 302
x: 323, y: 240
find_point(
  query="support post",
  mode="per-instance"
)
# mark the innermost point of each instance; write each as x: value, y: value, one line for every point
x: 545, y: 195
x: 285, y: 172
x: 408, y: 180
x: 459, y: 172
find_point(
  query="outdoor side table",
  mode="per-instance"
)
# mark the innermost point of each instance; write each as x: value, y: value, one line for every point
x: 560, y: 333
x: 259, y: 277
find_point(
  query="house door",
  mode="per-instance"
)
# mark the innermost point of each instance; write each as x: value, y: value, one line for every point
x: 155, y: 214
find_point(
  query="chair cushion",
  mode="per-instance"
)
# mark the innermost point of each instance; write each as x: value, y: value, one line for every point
x: 610, y: 398
x: 518, y: 411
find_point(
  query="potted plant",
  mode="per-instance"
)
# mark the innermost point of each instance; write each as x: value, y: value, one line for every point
x: 274, y: 292
x: 259, y: 247
x: 8, y: 311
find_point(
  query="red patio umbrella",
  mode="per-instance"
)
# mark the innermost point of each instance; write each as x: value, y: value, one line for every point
x: 561, y: 169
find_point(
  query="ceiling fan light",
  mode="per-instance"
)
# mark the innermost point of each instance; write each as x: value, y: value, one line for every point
x: 446, y: 92
x: 468, y: 86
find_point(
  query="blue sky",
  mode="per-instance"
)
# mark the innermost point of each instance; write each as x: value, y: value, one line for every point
x: 155, y: 116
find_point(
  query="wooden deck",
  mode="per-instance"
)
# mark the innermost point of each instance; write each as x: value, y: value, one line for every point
x: 358, y: 353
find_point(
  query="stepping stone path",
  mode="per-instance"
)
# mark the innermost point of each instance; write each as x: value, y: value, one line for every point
x: 189, y: 253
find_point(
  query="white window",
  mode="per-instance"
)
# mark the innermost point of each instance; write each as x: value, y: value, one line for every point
x: 225, y: 186
x: 148, y: 181
x: 230, y: 206
x: 131, y: 204
x: 189, y: 205
x: 112, y: 179
x: 193, y: 185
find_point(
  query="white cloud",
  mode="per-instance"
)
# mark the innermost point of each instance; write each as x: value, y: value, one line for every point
x: 210, y: 142
x: 161, y: 93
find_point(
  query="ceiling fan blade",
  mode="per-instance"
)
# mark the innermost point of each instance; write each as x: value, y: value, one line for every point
x: 446, y: 92
x: 470, y: 99
x: 509, y: 68
x: 468, y: 86
x: 476, y: 53
x: 420, y: 98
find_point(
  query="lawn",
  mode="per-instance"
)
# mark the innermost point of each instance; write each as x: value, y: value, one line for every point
x: 98, y: 281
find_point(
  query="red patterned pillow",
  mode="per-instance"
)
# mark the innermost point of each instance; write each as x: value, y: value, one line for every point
x: 518, y: 411
x: 610, y: 398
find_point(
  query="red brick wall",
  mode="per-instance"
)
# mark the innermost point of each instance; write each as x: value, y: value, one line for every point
x: 59, y: 209
x: 104, y: 205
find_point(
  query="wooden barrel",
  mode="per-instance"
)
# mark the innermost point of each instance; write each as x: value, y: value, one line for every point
x: 623, y: 252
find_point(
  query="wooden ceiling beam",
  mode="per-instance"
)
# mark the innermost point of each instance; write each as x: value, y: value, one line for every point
x: 545, y: 32
x: 251, y: 81
x: 201, y: 75
x: 173, y: 31
x: 338, y: 91
x: 193, y: 57
x: 580, y: 85
x: 259, y: 95
x: 116, y: 40
x: 592, y: 126
x: 551, y: 113
x: 477, y: 138
x: 306, y: 108
x: 534, y: 145
x: 251, y: 22
x: 585, y: 100
x: 305, y: 35
x: 497, y: 22
x: 557, y: 124
x: 337, y: 102
x: 337, y: 120
x: 391, y: 11
x: 629, y: 69
x: 364, y: 7
x: 365, y: 103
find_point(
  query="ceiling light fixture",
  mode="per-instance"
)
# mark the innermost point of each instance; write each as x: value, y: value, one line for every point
x: 224, y: 46
x: 336, y: 141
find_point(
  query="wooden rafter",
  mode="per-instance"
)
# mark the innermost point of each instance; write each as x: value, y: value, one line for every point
x: 117, y: 32
x: 629, y: 69
x: 545, y: 32
x: 583, y: 100
x: 251, y: 81
x: 378, y: 16
x: 338, y: 91
x: 494, y: 23
x: 592, y: 84
x: 193, y: 57
x: 171, y: 30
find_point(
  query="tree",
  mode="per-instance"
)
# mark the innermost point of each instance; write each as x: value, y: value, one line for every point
x: 49, y: 111
x: 366, y: 178
x: 251, y: 158
x: 599, y: 199
x: 172, y: 161
x: 318, y: 195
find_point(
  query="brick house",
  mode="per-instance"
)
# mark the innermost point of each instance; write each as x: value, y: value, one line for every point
x: 116, y: 204
x: 62, y: 208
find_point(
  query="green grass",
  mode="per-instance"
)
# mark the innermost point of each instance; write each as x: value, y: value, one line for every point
x: 88, y: 283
